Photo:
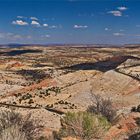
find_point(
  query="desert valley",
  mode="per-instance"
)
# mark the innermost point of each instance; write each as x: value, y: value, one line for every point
x: 50, y: 81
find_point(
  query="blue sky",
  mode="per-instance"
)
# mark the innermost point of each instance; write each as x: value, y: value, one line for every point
x: 70, y: 21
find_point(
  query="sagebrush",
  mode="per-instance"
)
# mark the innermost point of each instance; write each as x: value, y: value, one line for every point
x: 14, y: 126
x: 83, y: 125
x: 102, y: 106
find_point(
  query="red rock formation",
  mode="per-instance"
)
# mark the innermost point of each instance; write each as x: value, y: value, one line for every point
x: 123, y: 127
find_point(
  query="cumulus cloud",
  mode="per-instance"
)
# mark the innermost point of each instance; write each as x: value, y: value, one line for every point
x: 33, y: 18
x: 115, y: 13
x: 19, y: 22
x: 45, y: 25
x: 35, y: 23
x: 122, y: 8
x: 107, y: 29
x: 80, y: 26
x: 118, y: 34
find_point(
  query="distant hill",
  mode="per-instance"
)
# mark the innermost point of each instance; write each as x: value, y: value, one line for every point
x: 16, y: 45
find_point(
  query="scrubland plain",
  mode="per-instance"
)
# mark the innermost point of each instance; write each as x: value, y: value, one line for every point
x: 55, y: 83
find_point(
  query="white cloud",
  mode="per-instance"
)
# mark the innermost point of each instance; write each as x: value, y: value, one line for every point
x: 13, y: 36
x: 47, y: 36
x: 115, y: 13
x: 118, y: 34
x: 35, y: 23
x: 80, y: 26
x: 33, y: 18
x: 20, y: 17
x: 10, y: 36
x: 122, y: 8
x: 17, y: 36
x: 6, y: 35
x: 107, y: 29
x: 19, y: 22
x: 45, y: 25
x: 121, y: 30
x: 53, y: 26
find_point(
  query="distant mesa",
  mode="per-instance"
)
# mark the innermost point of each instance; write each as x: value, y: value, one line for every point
x: 19, y: 52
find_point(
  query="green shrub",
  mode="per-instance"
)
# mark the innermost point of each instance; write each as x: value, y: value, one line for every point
x: 84, y: 125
